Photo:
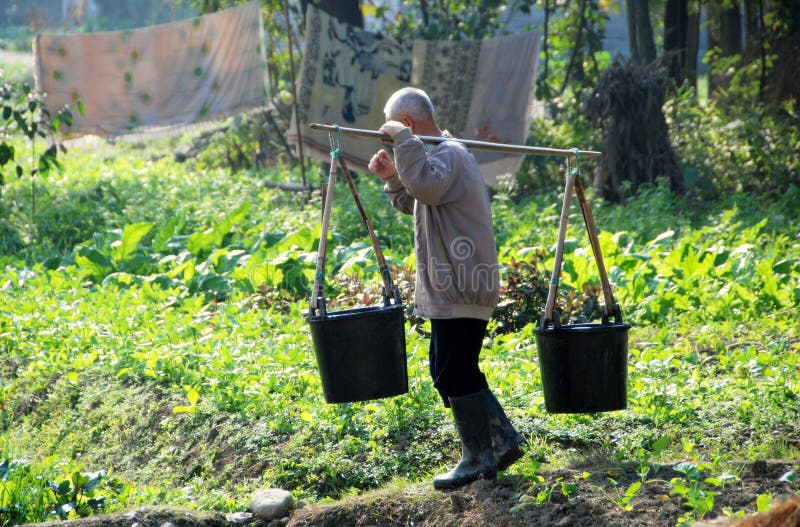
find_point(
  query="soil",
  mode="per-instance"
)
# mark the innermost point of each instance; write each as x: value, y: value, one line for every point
x: 510, y: 501
x: 594, y: 503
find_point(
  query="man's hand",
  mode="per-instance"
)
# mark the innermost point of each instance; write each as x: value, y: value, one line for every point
x: 382, y: 164
x: 392, y: 127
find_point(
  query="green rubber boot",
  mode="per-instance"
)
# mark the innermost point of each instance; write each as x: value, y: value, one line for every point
x: 477, y: 457
x: 506, y: 441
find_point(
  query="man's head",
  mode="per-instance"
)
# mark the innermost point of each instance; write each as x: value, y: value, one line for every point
x: 413, y: 108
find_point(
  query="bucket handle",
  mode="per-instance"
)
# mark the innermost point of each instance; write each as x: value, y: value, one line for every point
x: 389, y: 291
x: 318, y: 289
x: 547, y: 316
x: 611, y: 307
x: 317, y: 300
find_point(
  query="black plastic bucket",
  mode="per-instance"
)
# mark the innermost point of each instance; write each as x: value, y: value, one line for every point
x: 584, y: 367
x: 361, y: 352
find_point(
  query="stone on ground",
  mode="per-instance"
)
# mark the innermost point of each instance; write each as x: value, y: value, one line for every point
x: 271, y: 504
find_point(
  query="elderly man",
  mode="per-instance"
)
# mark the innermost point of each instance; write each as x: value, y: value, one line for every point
x: 457, y: 284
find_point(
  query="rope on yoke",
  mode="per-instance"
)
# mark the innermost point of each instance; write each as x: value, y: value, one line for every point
x: 336, y: 144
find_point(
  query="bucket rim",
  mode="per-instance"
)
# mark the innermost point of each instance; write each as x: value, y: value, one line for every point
x: 585, y: 327
x: 363, y: 310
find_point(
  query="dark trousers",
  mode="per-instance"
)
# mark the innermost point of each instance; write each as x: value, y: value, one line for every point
x: 455, y: 349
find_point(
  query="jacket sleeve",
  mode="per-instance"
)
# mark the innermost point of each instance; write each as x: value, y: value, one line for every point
x: 427, y: 178
x: 398, y: 196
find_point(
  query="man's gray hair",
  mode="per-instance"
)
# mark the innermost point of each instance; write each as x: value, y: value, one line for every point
x: 412, y: 102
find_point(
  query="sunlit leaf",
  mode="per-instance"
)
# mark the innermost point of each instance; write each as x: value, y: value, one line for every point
x: 132, y: 235
x: 764, y: 502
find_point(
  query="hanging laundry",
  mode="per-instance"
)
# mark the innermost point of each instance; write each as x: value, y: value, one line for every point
x: 347, y: 74
x: 481, y: 90
x: 158, y: 77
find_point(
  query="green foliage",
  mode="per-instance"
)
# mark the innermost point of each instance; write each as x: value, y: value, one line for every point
x: 23, y: 113
x: 573, y: 56
x: 698, y: 498
x: 243, y: 144
x: 650, y: 448
x: 16, y: 38
x: 728, y: 149
x: 17, y: 72
x: 22, y: 493
x: 538, y: 173
x: 454, y: 19
x: 764, y: 502
x: 624, y: 498
x: 75, y: 494
x: 169, y: 311
x: 35, y: 492
x: 24, y: 117
x: 522, y: 295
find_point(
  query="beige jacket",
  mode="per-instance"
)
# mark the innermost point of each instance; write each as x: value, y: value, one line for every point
x: 457, y: 273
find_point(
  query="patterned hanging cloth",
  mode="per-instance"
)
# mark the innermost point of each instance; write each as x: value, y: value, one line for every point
x: 481, y: 89
x: 156, y: 78
x: 347, y: 74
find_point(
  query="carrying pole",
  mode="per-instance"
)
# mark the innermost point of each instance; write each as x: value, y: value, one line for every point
x: 478, y: 145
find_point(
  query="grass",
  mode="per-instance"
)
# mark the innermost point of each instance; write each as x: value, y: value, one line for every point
x: 152, y: 327
x: 16, y: 63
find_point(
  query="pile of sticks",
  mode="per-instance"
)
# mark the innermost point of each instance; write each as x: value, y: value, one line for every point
x: 627, y: 105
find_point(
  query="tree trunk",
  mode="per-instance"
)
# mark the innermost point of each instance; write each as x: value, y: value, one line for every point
x: 423, y: 9
x: 347, y: 11
x: 676, y: 22
x: 692, y: 43
x: 714, y: 24
x: 640, y: 32
x: 633, y: 42
x: 544, y: 38
x: 752, y: 30
x: 574, y: 60
x: 731, y: 28
x: 784, y: 42
x: 762, y: 52
x: 627, y: 105
x: 647, y: 44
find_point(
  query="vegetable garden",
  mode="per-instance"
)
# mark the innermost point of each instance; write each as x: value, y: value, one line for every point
x: 154, y: 351
x: 154, y: 348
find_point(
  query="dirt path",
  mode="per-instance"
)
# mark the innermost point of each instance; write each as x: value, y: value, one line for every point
x: 11, y: 57
x: 567, y: 498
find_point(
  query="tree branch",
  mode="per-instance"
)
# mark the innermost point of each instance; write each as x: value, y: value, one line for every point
x: 578, y: 46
